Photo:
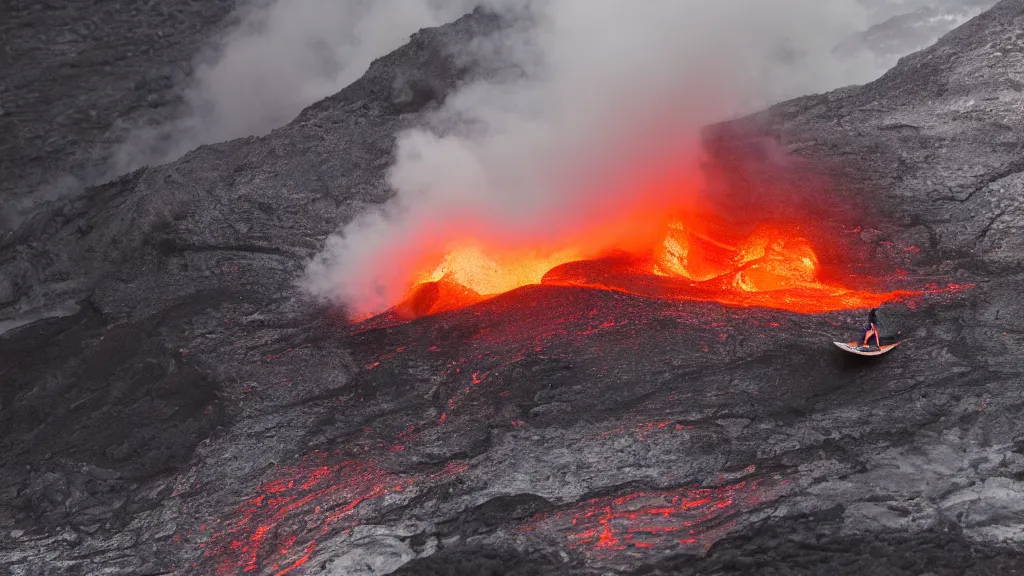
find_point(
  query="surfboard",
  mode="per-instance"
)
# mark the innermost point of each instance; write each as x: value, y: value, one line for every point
x: 872, y: 351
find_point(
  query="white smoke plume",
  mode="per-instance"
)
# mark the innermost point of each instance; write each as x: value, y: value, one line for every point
x: 503, y: 157
x: 280, y: 57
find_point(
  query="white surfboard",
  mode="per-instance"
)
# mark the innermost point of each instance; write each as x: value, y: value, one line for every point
x: 872, y: 351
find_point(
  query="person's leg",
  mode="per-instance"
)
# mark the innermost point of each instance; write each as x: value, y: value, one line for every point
x: 868, y: 333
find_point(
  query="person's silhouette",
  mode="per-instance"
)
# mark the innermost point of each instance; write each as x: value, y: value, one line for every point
x: 872, y: 330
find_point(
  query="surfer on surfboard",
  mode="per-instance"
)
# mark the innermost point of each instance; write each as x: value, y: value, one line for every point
x: 872, y: 329
x: 878, y: 332
x: 885, y: 338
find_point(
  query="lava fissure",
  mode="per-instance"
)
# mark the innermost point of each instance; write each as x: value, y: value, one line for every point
x: 324, y: 490
x: 686, y: 518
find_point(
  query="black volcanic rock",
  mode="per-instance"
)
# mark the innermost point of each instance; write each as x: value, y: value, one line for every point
x: 198, y: 416
x: 78, y: 75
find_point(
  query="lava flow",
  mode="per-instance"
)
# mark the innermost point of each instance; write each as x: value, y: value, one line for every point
x: 770, y: 267
x: 658, y: 228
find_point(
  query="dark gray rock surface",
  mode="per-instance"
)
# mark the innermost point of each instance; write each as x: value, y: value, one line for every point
x: 198, y: 415
x: 78, y: 76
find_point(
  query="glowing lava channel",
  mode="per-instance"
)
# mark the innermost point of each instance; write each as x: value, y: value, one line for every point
x: 771, y: 267
x: 495, y: 273
x: 652, y: 227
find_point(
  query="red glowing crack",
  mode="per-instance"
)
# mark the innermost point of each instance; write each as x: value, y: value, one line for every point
x: 320, y: 493
x: 266, y: 531
x: 683, y: 517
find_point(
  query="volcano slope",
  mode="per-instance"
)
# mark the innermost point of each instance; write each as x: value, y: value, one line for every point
x: 199, y: 416
x: 78, y: 76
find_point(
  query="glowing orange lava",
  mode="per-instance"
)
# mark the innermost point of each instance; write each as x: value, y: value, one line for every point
x: 470, y: 274
x: 489, y: 273
x: 771, y: 267
x: 658, y: 226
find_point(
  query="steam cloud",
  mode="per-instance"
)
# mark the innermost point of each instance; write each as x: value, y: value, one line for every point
x: 504, y: 156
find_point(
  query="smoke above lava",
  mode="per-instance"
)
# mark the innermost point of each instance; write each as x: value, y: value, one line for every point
x: 587, y: 143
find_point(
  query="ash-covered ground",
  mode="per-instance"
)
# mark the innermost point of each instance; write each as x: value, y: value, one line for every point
x: 197, y: 415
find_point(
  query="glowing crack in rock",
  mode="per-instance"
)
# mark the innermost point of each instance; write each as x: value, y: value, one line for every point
x: 278, y: 529
x: 688, y: 519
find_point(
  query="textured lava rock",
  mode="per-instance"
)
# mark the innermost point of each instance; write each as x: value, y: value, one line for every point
x: 77, y: 77
x: 197, y: 415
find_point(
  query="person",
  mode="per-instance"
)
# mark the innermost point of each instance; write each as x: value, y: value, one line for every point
x: 872, y: 330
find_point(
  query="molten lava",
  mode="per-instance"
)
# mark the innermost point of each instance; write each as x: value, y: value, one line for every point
x: 692, y: 259
x: 767, y: 260
x: 659, y: 226
x: 494, y: 273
